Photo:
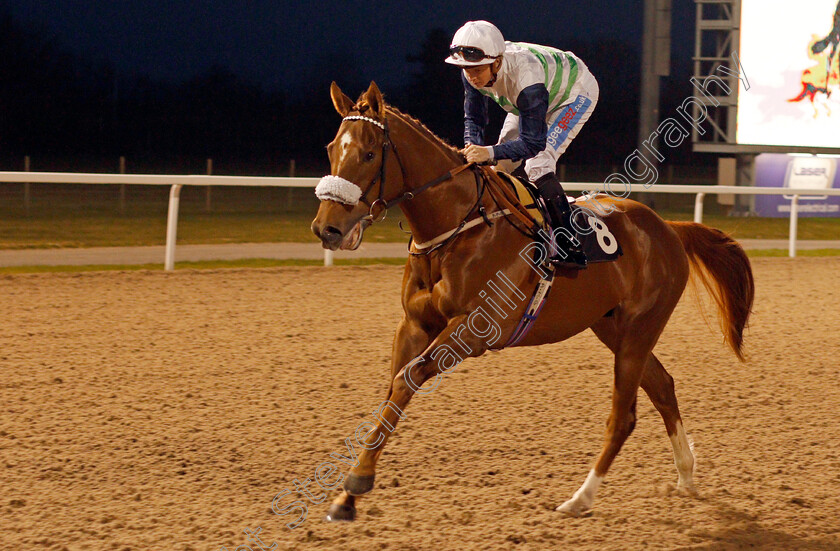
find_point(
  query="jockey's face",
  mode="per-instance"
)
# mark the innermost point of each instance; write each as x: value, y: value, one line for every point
x: 480, y: 76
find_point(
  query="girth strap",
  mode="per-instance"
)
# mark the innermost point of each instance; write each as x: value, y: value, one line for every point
x: 531, y: 314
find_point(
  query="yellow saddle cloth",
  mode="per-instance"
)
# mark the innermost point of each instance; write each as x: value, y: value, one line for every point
x: 526, y: 194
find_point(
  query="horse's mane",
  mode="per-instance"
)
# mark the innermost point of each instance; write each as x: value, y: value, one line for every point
x: 423, y: 129
x: 452, y: 152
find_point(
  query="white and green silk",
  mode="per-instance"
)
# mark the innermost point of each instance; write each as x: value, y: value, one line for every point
x: 563, y: 74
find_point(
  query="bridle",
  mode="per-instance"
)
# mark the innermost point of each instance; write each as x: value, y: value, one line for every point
x: 387, y: 145
x: 443, y: 239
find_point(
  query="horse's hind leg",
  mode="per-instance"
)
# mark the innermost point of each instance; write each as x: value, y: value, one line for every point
x: 631, y: 341
x: 659, y: 386
x: 629, y: 365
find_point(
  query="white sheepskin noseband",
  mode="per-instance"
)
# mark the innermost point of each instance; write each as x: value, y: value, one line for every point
x: 336, y: 188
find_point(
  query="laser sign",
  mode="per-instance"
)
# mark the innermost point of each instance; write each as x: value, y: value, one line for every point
x: 797, y: 172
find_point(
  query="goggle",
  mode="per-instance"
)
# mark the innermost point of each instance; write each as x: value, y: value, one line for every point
x: 470, y: 53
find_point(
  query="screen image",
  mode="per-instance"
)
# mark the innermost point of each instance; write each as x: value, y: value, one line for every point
x: 790, y: 54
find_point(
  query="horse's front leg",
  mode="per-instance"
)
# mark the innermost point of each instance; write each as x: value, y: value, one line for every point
x: 409, y: 342
x: 455, y: 343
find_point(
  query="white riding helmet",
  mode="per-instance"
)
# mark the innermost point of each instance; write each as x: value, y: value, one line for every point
x: 476, y: 43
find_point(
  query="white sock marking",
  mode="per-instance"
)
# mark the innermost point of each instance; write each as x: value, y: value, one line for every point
x: 683, y: 456
x: 584, y: 497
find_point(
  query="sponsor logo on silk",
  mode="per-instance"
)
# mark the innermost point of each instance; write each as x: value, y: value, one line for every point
x: 567, y: 120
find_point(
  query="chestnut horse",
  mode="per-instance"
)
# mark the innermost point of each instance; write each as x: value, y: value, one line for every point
x: 626, y: 303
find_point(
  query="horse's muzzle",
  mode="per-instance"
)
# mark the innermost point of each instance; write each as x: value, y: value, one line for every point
x: 330, y: 236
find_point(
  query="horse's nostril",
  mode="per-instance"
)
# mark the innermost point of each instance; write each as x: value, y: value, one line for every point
x: 331, y: 235
x: 332, y: 232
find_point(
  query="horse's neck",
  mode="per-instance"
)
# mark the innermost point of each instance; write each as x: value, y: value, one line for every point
x: 442, y: 207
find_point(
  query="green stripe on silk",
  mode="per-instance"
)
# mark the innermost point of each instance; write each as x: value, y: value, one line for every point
x: 573, y: 74
x: 501, y: 100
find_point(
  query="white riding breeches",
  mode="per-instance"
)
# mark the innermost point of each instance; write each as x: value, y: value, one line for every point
x: 563, y: 125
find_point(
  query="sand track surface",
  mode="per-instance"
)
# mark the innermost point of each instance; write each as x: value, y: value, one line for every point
x: 149, y: 410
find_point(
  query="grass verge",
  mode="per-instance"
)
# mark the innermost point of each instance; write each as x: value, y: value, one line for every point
x: 773, y: 253
x: 269, y: 263
x: 88, y: 216
x: 203, y: 265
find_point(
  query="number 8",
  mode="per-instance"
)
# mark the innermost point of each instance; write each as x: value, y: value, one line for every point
x: 606, y: 240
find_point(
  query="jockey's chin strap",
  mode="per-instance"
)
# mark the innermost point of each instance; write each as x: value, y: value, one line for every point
x: 380, y: 201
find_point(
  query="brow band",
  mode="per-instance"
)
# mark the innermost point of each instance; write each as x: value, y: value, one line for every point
x: 368, y: 119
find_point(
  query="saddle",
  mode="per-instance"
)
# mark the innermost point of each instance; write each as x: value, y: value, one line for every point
x: 522, y: 199
x: 600, y: 245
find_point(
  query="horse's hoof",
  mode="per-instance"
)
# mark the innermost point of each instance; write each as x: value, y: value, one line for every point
x: 687, y: 490
x: 574, y: 508
x: 341, y: 513
x: 356, y: 485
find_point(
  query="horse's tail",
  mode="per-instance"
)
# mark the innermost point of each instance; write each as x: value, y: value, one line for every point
x: 724, y: 269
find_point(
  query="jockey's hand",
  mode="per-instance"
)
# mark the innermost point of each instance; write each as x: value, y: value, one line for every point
x: 476, y: 153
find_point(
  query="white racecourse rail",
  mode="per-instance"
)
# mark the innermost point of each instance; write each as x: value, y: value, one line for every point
x: 177, y: 182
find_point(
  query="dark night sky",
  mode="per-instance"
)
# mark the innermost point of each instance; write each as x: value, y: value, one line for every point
x: 283, y: 45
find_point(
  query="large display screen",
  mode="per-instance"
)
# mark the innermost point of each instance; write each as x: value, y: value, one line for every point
x: 790, y: 54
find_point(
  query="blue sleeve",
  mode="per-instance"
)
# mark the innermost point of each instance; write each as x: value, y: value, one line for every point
x: 475, y: 113
x: 533, y: 108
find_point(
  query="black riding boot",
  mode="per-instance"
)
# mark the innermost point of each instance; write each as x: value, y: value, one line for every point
x: 569, y: 254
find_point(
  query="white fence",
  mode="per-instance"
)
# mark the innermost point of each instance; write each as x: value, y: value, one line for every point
x: 177, y: 182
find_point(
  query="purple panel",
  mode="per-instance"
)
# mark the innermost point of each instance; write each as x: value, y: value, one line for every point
x: 771, y: 169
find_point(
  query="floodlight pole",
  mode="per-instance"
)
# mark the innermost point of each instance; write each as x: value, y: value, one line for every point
x: 656, y: 61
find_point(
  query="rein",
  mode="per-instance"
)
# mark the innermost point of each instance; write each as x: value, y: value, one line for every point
x: 445, y: 238
x: 500, y: 193
x: 507, y: 205
x: 406, y: 196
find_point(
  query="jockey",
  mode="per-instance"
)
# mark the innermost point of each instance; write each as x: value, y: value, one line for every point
x: 548, y: 94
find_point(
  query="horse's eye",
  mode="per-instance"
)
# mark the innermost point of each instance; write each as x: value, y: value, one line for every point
x: 369, y: 156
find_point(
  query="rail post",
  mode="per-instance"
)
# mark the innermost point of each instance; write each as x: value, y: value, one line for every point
x: 27, y: 166
x: 290, y: 191
x: 698, y: 208
x: 794, y: 222
x: 172, y: 226
x: 122, y: 186
x: 207, y: 204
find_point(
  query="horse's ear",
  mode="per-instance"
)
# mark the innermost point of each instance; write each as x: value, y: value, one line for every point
x: 342, y: 103
x: 374, y: 99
